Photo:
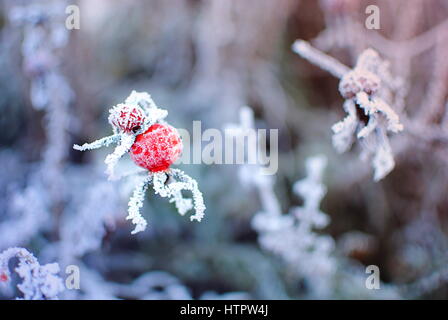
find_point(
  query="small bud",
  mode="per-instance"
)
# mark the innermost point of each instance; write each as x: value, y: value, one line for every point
x: 359, y: 80
x: 127, y: 118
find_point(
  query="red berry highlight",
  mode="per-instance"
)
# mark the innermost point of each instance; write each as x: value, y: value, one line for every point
x: 157, y: 148
x: 3, y: 277
x: 127, y: 118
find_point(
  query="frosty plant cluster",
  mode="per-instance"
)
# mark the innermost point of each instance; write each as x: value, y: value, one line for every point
x: 293, y: 236
x: 140, y: 130
x: 366, y: 89
x: 43, y: 35
x: 38, y: 282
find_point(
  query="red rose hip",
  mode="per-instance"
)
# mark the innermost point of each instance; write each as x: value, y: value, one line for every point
x: 127, y: 118
x: 157, y: 148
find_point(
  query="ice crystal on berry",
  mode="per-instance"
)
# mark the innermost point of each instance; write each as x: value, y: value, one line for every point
x: 154, y: 145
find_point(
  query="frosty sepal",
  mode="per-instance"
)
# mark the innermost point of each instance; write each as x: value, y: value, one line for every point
x: 126, y: 142
x: 38, y: 282
x: 154, y: 145
x: 103, y: 142
x: 375, y: 105
x: 344, y: 130
x: 167, y: 184
x: 144, y: 100
x: 173, y: 191
x: 136, y: 203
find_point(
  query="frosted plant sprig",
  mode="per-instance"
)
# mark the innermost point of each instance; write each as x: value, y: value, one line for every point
x: 38, y: 282
x: 128, y: 120
x: 154, y: 145
x: 310, y: 188
x: 167, y: 184
x: 250, y: 175
x: 367, y: 88
x: 103, y: 142
x: 292, y: 236
x: 43, y: 34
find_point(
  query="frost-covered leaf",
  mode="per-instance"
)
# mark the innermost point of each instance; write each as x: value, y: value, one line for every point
x: 129, y: 120
x: 292, y: 237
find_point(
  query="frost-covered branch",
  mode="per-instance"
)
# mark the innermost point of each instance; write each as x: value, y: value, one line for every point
x: 169, y: 185
x: 320, y: 59
x: 366, y: 88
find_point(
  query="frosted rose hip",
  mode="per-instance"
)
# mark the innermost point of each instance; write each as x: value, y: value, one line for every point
x: 157, y: 148
x: 139, y: 130
x: 127, y: 118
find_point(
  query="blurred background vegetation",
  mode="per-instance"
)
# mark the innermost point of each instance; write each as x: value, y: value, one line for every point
x: 204, y: 60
